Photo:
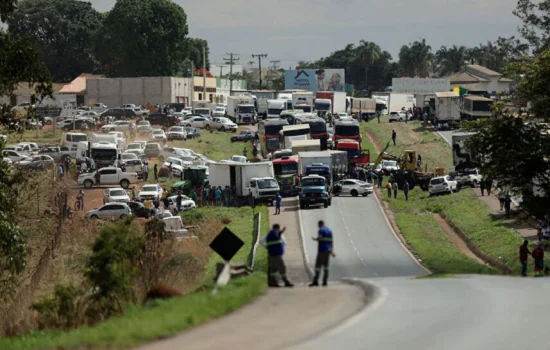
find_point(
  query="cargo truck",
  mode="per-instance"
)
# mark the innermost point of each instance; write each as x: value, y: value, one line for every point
x: 291, y: 133
x: 316, y: 178
x: 362, y: 106
x: 305, y: 146
x: 337, y: 101
x: 303, y: 101
x: 275, y: 108
x: 462, y: 159
x: 287, y: 97
x: 339, y: 163
x: 201, y: 107
x: 255, y: 179
x: 286, y: 173
x: 241, y: 110
x: 447, y: 106
x: 261, y: 98
x: 399, y: 101
x: 475, y: 107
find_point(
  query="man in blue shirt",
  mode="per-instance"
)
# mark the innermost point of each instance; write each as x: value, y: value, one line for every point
x: 275, y: 244
x: 278, y: 201
x: 324, y: 251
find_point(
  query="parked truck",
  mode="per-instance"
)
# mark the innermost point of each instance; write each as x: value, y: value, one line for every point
x: 337, y: 101
x: 202, y: 107
x: 261, y: 98
x: 447, y: 106
x: 362, y: 106
x: 399, y: 101
x: 286, y: 173
x: 108, y: 176
x: 339, y: 163
x: 475, y: 107
x: 255, y: 179
x: 315, y: 178
x: 241, y: 110
x: 305, y: 146
x: 303, y: 101
x: 275, y: 108
x: 462, y: 159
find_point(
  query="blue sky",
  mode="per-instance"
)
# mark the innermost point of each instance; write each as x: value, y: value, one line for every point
x: 307, y: 30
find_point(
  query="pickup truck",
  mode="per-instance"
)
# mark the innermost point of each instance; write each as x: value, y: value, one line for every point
x: 57, y: 153
x: 108, y: 176
x: 468, y: 177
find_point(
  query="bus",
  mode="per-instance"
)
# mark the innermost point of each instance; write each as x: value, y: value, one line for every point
x: 318, y: 127
x: 346, y: 129
x: 294, y: 132
x: 269, y: 134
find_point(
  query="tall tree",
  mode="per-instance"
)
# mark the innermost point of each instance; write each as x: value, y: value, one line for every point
x: 194, y: 48
x: 143, y: 38
x: 536, y: 23
x: 367, y: 53
x: 63, y: 29
x: 416, y: 59
x: 450, y: 60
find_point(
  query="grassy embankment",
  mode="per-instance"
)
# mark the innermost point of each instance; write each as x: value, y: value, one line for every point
x: 164, y: 318
x: 415, y: 217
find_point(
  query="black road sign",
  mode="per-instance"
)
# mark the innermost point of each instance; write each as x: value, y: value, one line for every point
x: 226, y: 244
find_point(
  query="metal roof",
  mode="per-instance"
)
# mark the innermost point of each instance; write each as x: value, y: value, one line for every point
x: 482, y: 70
x: 477, y: 98
x: 466, y: 77
x: 446, y: 94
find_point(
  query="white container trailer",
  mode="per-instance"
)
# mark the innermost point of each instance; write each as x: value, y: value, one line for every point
x: 399, y: 101
x: 313, y: 158
x: 305, y: 146
x: 303, y: 101
x: 255, y: 178
x: 447, y: 106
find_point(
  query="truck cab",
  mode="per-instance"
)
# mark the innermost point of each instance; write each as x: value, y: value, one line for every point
x: 286, y: 173
x: 275, y: 108
x: 322, y: 106
x: 264, y: 189
x: 314, y: 191
x: 353, y: 149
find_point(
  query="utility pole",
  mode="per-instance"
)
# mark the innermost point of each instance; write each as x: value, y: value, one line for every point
x: 231, y: 61
x: 204, y: 72
x: 260, y: 56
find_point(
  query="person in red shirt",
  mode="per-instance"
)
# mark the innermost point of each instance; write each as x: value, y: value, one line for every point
x: 523, y: 255
x: 538, y: 255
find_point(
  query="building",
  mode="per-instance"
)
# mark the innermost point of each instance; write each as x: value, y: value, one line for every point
x: 223, y: 88
x: 24, y: 92
x: 77, y: 87
x: 200, y: 84
x: 477, y: 78
x: 115, y: 92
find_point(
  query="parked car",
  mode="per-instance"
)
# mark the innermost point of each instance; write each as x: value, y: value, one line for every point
x: 159, y: 135
x: 139, y: 210
x: 119, y: 113
x: 197, y: 122
x: 135, y: 148
x: 140, y: 111
x: 176, y: 133
x: 77, y: 124
x: 145, y: 130
x: 161, y: 119
x: 150, y: 192
x: 108, y: 176
x: 468, y: 177
x: 121, y: 125
x: 192, y: 132
x: 186, y: 203
x: 353, y: 188
x: 36, y: 162
x: 112, y: 195
x: 13, y: 155
x: 127, y: 156
x: 239, y: 159
x: 397, y: 116
x: 111, y: 211
x: 442, y: 184
x: 243, y: 135
x: 223, y: 124
x: 177, y: 165
x: 89, y: 114
x: 153, y: 150
x: 99, y: 107
x: 134, y: 165
x: 390, y: 165
x: 29, y: 146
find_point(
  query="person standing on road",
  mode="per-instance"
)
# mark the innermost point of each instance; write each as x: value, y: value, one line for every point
x: 501, y: 199
x: 146, y: 171
x: 380, y: 179
x: 395, y: 188
x: 324, y: 250
x: 275, y: 244
x: 378, y: 116
x: 406, y: 188
x: 507, y: 204
x: 278, y: 200
x: 523, y: 255
x: 388, y: 188
x: 482, y: 187
x: 538, y: 256
x: 179, y: 198
x: 488, y: 185
x: 393, y: 136
x: 156, y: 172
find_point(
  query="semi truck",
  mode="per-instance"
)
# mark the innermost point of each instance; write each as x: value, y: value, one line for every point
x: 316, y: 178
x: 363, y: 106
x: 337, y: 101
x: 241, y: 110
x: 447, y: 106
x: 399, y: 101
x: 275, y: 108
x: 339, y: 163
x: 303, y: 101
x: 247, y: 179
x: 286, y: 173
x: 287, y: 97
x: 261, y: 97
x: 201, y: 107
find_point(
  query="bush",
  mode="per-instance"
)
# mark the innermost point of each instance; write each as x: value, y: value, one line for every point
x: 164, y: 172
x: 63, y: 311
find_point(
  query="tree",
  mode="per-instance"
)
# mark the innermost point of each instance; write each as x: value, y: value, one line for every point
x: 194, y: 51
x: 536, y: 24
x: 367, y: 53
x: 450, y: 60
x: 20, y: 60
x: 143, y: 38
x: 416, y: 59
x: 63, y: 30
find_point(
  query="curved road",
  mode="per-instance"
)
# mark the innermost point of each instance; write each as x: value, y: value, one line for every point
x: 364, y: 243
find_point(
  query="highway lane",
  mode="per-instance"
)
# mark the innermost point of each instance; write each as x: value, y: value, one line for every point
x: 364, y: 243
x: 470, y: 312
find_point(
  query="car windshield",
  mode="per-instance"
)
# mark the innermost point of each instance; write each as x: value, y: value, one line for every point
x: 246, y: 109
x: 267, y: 183
x: 144, y: 122
x: 134, y: 146
x: 347, y: 130
x: 313, y: 182
x: 285, y: 169
x: 176, y: 129
x: 118, y: 193
x: 158, y: 132
x: 390, y: 163
x: 438, y: 181
x: 174, y: 161
x: 149, y: 189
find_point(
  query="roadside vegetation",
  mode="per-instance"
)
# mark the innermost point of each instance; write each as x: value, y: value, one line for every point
x: 415, y: 218
x: 138, y: 322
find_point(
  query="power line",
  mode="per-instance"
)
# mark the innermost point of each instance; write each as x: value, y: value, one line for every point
x: 274, y: 67
x: 231, y: 61
x: 260, y: 56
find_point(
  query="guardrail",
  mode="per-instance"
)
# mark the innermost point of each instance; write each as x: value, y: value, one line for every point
x: 255, y: 240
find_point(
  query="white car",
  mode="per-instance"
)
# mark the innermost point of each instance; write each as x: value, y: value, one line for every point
x: 354, y: 187
x: 223, y: 124
x: 344, y: 116
x: 177, y: 165
x: 33, y: 146
x: 112, y: 195
x: 7, y: 161
x: 13, y: 155
x: 88, y: 115
x: 36, y: 162
x: 400, y: 116
x: 136, y: 148
x: 121, y: 125
x: 442, y: 184
x: 99, y: 107
x: 239, y: 159
x: 159, y: 135
x: 197, y: 122
x: 188, y: 110
x: 143, y: 123
x: 186, y: 203
x: 218, y: 112
x: 150, y: 192
x: 176, y: 133
x: 128, y: 156
x: 390, y: 165
x: 110, y: 211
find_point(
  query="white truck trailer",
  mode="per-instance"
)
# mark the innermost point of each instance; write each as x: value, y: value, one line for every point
x: 202, y: 107
x: 399, y: 101
x: 447, y: 106
x: 303, y: 101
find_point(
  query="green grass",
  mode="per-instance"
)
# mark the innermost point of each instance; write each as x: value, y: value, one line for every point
x: 466, y: 212
x: 161, y: 319
x: 215, y: 145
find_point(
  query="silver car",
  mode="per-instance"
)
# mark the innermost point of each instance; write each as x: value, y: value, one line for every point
x: 354, y: 188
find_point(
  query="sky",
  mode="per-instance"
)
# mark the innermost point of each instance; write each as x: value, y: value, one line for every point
x: 290, y: 31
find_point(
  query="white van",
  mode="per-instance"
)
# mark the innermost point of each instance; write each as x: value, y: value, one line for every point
x: 71, y: 140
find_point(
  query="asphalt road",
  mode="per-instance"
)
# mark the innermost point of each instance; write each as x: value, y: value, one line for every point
x: 481, y: 312
x: 364, y: 243
x: 447, y: 135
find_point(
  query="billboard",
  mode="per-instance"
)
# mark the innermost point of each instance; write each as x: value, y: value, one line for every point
x: 316, y: 79
x: 420, y: 85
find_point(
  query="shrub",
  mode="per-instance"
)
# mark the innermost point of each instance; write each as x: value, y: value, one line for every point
x: 63, y: 311
x: 164, y: 172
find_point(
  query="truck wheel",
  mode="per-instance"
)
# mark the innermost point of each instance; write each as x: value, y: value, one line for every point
x: 354, y: 193
x: 88, y: 184
x: 124, y: 184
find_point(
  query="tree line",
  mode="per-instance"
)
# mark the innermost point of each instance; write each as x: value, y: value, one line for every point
x: 135, y: 38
